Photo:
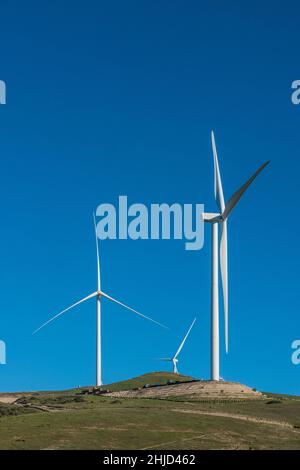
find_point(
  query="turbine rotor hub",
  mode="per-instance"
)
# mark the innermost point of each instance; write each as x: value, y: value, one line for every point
x: 212, y: 217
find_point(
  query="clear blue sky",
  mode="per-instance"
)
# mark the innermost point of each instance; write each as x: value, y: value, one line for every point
x: 110, y: 98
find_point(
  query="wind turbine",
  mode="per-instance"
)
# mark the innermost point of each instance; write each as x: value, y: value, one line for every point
x: 174, y: 358
x: 98, y: 294
x: 216, y: 219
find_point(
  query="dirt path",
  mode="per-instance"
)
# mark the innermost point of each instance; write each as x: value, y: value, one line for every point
x: 46, y: 408
x: 8, y: 399
x: 240, y: 417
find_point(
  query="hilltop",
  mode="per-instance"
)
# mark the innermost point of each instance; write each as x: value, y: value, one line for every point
x: 190, y: 389
x: 134, y: 415
x: 152, y: 378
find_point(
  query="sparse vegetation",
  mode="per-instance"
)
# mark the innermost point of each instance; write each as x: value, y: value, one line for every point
x: 50, y: 400
x: 12, y: 410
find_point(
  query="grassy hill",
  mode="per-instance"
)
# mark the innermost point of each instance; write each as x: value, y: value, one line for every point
x: 67, y: 420
x: 151, y: 379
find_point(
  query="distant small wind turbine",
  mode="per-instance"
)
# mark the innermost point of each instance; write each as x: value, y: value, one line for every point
x: 98, y: 294
x: 215, y: 219
x: 174, y: 358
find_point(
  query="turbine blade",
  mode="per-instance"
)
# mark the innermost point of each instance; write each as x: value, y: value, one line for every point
x: 65, y: 310
x: 98, y: 258
x: 132, y: 310
x: 165, y: 359
x: 238, y: 194
x: 224, y: 275
x: 184, y: 339
x: 219, y: 196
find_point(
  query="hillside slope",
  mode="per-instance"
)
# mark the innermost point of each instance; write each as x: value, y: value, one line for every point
x: 70, y: 420
x: 197, y: 390
x: 150, y: 378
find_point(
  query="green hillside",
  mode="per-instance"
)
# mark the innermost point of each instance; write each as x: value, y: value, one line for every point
x: 151, y: 379
x: 70, y: 420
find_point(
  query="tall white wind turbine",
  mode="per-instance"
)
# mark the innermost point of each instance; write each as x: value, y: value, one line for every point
x: 174, y: 359
x: 98, y: 294
x: 216, y: 219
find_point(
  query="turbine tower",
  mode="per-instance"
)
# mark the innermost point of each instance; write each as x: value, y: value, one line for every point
x: 98, y: 294
x: 174, y: 358
x: 216, y: 219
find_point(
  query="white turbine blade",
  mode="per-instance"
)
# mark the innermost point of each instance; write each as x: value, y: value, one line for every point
x: 219, y: 196
x: 184, y: 339
x: 65, y: 310
x: 238, y: 194
x: 224, y: 275
x: 98, y: 258
x: 165, y: 359
x: 131, y: 309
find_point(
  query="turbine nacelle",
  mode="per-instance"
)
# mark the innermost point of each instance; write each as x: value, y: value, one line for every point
x: 212, y: 217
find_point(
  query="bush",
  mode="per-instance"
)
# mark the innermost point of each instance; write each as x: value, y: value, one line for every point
x: 13, y: 410
x: 273, y: 402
